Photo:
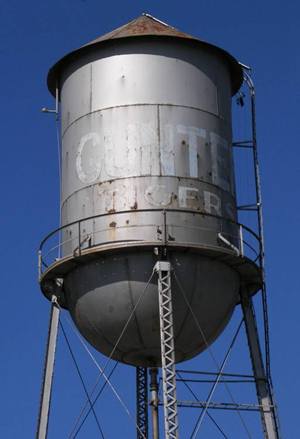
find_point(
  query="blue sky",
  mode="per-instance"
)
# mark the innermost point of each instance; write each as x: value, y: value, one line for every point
x: 33, y: 35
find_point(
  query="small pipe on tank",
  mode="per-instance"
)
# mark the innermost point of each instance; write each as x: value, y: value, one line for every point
x: 48, y: 110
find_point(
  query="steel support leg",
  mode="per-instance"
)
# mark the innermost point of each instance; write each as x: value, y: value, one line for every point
x: 142, y: 402
x: 267, y: 409
x: 163, y: 269
x: 48, y: 372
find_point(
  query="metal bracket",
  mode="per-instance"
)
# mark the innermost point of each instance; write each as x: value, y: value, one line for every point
x: 77, y: 250
x: 56, y: 111
x: 229, y: 244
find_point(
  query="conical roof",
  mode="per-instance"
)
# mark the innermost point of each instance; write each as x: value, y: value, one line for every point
x: 144, y: 26
x: 141, y: 26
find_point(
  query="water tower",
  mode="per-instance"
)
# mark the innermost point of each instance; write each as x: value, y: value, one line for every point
x: 149, y: 248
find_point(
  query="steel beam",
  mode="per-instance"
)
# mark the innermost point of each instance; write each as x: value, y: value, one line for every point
x: 44, y: 410
x: 221, y: 406
x: 264, y: 395
x: 163, y: 269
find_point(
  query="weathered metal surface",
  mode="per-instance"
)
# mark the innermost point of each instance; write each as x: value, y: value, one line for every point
x: 140, y: 79
x: 134, y: 140
x: 148, y: 126
x: 144, y: 27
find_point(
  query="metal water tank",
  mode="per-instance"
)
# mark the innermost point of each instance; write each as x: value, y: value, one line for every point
x: 147, y: 172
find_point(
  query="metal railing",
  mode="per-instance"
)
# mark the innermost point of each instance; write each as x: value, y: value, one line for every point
x: 244, y: 242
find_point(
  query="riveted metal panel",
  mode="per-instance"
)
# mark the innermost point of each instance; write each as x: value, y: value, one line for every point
x: 127, y: 75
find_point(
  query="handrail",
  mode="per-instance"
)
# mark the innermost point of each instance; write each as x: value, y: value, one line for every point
x: 147, y: 210
x: 165, y: 212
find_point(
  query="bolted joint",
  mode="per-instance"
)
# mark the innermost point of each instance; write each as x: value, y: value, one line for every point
x: 154, y: 402
x: 162, y: 266
x: 54, y: 291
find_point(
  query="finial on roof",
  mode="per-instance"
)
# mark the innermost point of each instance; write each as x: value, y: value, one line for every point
x: 145, y: 14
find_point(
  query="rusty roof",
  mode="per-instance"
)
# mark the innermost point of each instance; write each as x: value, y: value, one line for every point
x: 141, y: 26
x: 144, y: 26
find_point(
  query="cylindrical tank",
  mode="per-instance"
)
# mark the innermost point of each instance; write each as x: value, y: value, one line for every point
x: 147, y: 160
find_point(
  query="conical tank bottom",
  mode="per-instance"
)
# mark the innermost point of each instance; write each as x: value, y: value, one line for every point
x: 102, y: 294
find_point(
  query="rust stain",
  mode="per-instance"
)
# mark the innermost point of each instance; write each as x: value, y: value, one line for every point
x: 135, y: 206
x: 111, y: 211
x: 170, y: 237
x: 113, y: 224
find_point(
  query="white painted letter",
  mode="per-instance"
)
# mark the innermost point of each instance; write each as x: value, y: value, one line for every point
x: 188, y: 194
x: 221, y: 166
x: 88, y: 158
x: 212, y: 203
x: 156, y: 195
x: 193, y: 133
x: 167, y: 153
